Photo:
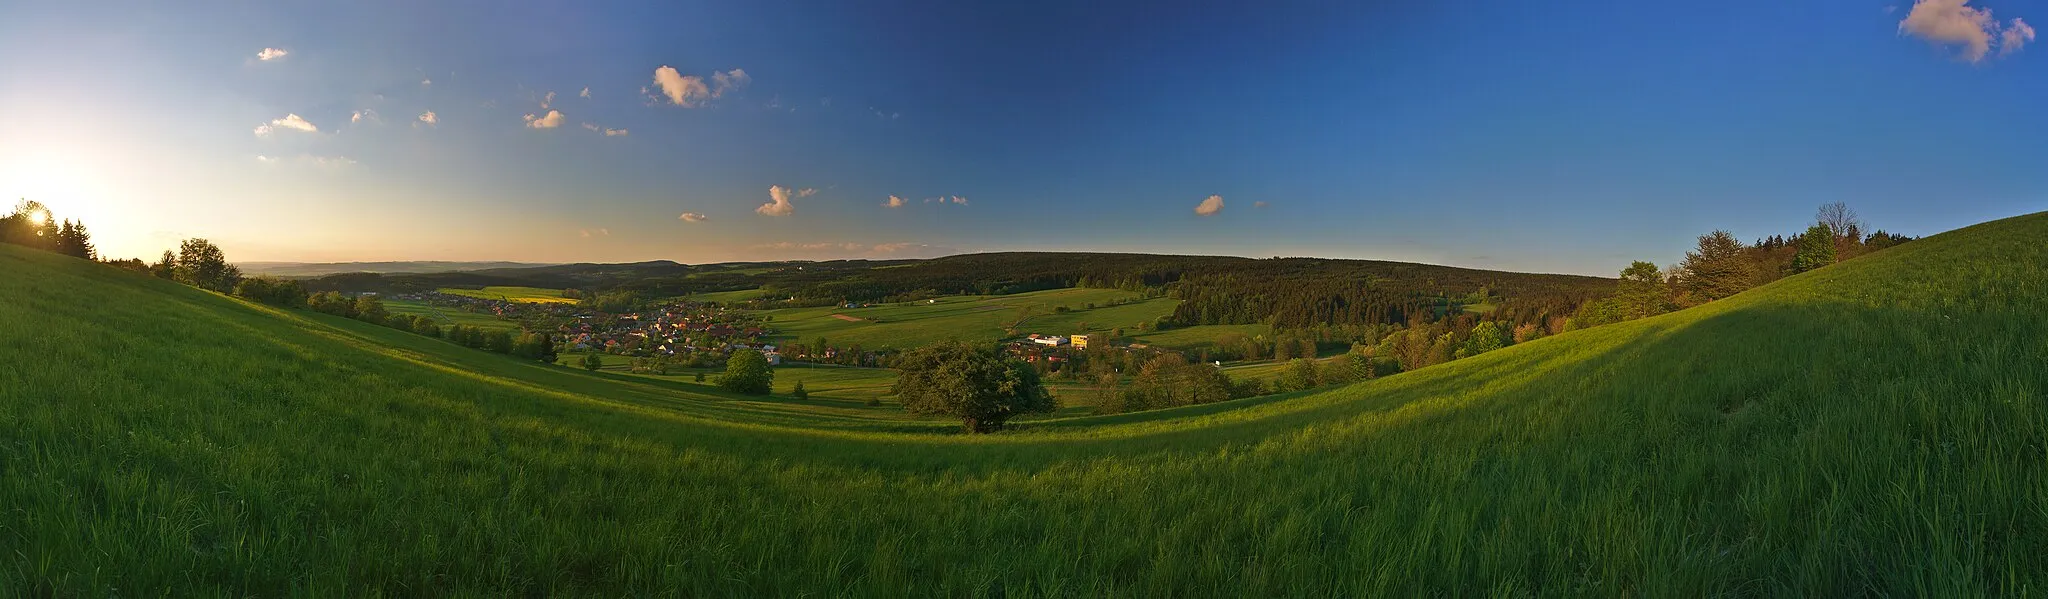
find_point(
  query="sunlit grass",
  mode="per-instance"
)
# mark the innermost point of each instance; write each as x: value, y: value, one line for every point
x: 1873, y: 428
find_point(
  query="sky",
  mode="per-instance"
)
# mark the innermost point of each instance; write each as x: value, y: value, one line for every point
x: 1566, y: 137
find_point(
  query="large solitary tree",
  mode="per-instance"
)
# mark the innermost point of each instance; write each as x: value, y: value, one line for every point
x: 201, y: 264
x: 747, y: 372
x: 978, y: 386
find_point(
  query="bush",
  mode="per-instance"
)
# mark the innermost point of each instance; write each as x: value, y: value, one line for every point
x: 799, y: 393
x: 592, y: 362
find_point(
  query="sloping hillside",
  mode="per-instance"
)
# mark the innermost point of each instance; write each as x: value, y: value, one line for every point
x: 1875, y: 427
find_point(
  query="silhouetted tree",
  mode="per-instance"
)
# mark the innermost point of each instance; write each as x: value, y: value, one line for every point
x: 201, y: 264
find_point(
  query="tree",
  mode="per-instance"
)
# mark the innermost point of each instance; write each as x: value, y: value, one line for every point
x: 1816, y: 248
x: 1840, y: 220
x: 1169, y: 380
x: 977, y: 385
x: 165, y: 267
x: 799, y: 393
x: 1301, y: 375
x: 700, y: 376
x: 368, y: 308
x: 1487, y: 336
x: 747, y: 372
x: 592, y: 362
x: 73, y: 241
x: 273, y: 291
x: 1717, y: 269
x: 201, y: 264
x: 30, y: 225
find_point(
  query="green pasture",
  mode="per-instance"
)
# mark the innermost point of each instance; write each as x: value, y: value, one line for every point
x: 966, y: 318
x: 534, y: 295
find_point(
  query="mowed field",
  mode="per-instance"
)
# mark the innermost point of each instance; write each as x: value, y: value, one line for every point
x: 535, y: 295
x: 447, y: 316
x: 1873, y: 428
x: 973, y: 318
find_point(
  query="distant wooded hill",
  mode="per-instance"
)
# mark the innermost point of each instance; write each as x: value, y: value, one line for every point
x: 1213, y: 289
x: 316, y: 269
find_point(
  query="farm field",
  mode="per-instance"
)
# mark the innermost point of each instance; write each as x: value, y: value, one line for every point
x: 728, y: 296
x: 447, y: 316
x: 1199, y: 337
x: 534, y: 295
x: 965, y: 318
x: 1875, y: 427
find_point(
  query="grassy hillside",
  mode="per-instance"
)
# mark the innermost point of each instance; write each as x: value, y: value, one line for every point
x: 1873, y: 428
x: 967, y: 318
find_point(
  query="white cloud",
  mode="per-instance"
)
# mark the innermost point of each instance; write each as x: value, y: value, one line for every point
x: 615, y: 132
x: 547, y: 101
x: 960, y: 200
x: 331, y: 161
x: 290, y: 121
x: 729, y: 80
x: 272, y: 54
x: 778, y: 202
x: 586, y: 92
x: 267, y: 159
x: 807, y: 192
x: 365, y: 115
x: 1210, y: 207
x: 2015, y: 36
x: 550, y: 120
x: 1953, y: 22
x: 426, y: 82
x: 894, y: 202
x: 682, y: 90
x: 430, y: 118
x: 692, y: 217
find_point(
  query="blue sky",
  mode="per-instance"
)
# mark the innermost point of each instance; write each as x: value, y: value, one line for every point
x: 1557, y: 137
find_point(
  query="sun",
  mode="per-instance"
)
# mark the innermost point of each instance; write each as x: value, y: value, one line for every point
x: 67, y: 190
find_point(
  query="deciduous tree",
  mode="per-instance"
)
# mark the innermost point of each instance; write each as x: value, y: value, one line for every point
x: 977, y: 385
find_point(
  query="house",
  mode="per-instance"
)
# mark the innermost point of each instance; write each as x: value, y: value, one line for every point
x: 1053, y: 340
x: 774, y: 358
x: 1079, y: 341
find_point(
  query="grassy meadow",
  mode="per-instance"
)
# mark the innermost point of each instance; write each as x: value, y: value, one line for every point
x: 1877, y: 427
x: 967, y: 318
x: 532, y: 295
x: 447, y: 316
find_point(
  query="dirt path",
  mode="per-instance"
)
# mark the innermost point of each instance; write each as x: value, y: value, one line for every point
x: 849, y: 318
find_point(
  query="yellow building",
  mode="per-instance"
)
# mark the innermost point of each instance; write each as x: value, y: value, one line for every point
x: 1079, y: 341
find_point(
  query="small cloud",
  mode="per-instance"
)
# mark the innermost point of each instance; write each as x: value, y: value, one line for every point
x: 331, y: 161
x: 588, y: 233
x: 273, y: 54
x: 586, y: 93
x: 603, y: 131
x: 2015, y: 36
x: 729, y: 80
x: 547, y: 101
x: 960, y: 200
x: 425, y: 82
x: 364, y: 115
x: 267, y: 159
x: 807, y: 192
x: 1891, y: 9
x: 682, y: 90
x: 550, y: 120
x: 1209, y: 207
x: 290, y: 121
x: 430, y: 118
x: 1954, y: 22
x: 1259, y: 204
x: 778, y: 202
x: 894, y: 202
x: 692, y: 217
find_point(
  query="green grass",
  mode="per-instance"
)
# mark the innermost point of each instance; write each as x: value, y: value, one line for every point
x: 1873, y: 428
x: 448, y: 316
x: 1200, y: 337
x: 534, y: 295
x: 728, y: 296
x: 972, y: 318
